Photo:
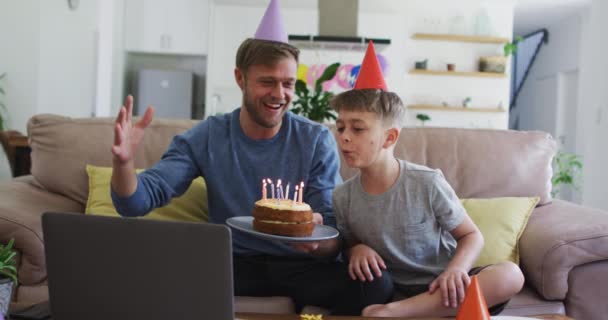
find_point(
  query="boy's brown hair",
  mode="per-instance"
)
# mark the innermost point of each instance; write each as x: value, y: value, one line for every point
x: 387, y: 105
x: 256, y: 51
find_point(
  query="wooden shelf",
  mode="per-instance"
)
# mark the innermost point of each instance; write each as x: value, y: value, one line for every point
x: 453, y: 108
x: 459, y: 38
x: 458, y: 73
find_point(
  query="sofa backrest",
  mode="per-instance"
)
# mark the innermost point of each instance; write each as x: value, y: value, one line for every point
x: 480, y: 163
x: 477, y: 163
x: 62, y: 147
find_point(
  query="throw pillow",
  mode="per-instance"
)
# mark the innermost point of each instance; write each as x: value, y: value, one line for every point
x: 502, y: 222
x: 191, y: 206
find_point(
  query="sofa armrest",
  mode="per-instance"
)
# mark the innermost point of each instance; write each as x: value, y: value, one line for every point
x: 22, y: 203
x: 559, y: 237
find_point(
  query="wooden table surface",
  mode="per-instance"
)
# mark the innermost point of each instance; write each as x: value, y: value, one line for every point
x: 259, y: 316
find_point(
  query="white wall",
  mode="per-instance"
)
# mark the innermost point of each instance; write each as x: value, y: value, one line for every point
x: 49, y: 53
x: 592, y: 118
x: 19, y: 50
x: 66, y: 74
x: 395, y: 20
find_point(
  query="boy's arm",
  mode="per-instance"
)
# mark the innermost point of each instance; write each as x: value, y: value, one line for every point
x: 470, y: 243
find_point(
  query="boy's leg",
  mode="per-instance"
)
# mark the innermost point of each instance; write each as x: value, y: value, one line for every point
x: 498, y: 283
x: 380, y: 290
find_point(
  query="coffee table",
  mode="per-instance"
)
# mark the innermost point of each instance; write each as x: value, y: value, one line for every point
x: 260, y: 316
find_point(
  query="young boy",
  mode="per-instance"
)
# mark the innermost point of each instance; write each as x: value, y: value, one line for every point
x: 404, y: 219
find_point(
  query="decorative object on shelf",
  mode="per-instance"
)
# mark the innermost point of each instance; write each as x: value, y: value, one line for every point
x: 494, y: 64
x: 498, y: 64
x: 466, y: 102
x: 451, y: 67
x: 458, y: 25
x: 423, y: 117
x: 459, y: 38
x: 8, y: 275
x: 567, y: 170
x: 445, y: 104
x: 483, y: 24
x: 421, y: 65
x: 3, y: 109
x: 315, y: 105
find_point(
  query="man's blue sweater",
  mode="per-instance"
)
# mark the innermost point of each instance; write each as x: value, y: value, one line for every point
x: 233, y: 167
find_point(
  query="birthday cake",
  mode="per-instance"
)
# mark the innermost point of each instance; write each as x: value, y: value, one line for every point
x: 285, y: 217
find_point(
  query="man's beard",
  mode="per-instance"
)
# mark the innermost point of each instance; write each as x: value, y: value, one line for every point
x: 256, y: 115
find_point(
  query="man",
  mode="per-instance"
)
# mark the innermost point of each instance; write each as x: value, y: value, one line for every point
x: 234, y: 152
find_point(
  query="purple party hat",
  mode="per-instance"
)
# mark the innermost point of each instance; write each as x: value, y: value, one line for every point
x: 271, y: 27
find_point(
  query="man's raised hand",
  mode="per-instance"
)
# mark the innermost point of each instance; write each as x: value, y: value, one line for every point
x: 126, y: 135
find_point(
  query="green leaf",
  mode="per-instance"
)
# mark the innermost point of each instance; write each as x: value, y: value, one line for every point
x: 328, y: 74
x: 301, y: 89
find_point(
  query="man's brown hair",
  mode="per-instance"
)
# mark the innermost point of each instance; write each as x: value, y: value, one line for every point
x: 264, y: 52
x: 387, y: 105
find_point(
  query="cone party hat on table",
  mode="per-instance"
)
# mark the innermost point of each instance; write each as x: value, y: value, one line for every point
x: 271, y: 27
x: 474, y: 306
x: 370, y: 75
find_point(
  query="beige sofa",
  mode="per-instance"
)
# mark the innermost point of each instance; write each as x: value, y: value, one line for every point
x: 563, y: 250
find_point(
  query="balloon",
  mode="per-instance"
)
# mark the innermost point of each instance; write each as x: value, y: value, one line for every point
x: 354, y: 72
x: 314, y: 73
x: 383, y: 63
x: 343, y: 75
x: 302, y: 70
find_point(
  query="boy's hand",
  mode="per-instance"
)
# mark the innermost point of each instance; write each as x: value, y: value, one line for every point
x: 453, y: 283
x: 362, y: 259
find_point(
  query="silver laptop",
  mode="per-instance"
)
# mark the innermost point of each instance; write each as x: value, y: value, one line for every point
x: 125, y: 268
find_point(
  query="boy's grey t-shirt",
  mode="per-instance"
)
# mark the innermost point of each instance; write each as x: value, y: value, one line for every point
x: 408, y: 225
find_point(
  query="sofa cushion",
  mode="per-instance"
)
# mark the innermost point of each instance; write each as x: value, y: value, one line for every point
x: 501, y: 221
x: 527, y: 302
x: 63, y: 146
x: 191, y: 206
x: 481, y: 163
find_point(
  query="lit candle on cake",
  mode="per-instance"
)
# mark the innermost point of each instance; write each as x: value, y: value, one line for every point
x: 279, y: 190
x: 295, y: 196
x: 301, y: 191
x: 271, y: 188
x: 264, y: 189
x: 287, y: 192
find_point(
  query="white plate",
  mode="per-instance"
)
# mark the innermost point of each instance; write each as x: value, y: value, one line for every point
x: 245, y: 224
x: 511, y: 318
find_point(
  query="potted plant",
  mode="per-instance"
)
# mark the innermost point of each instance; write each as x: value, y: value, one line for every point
x: 567, y: 169
x: 8, y: 275
x: 423, y: 118
x: 315, y: 105
x: 498, y: 64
